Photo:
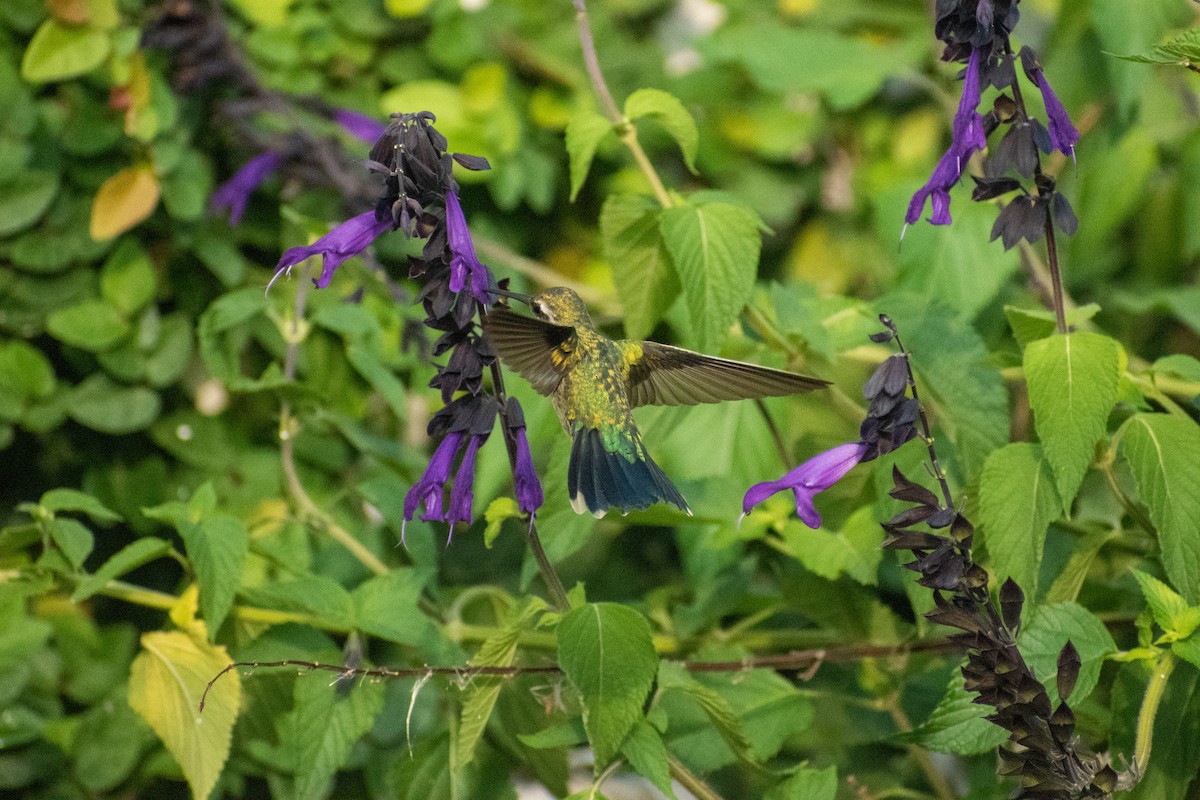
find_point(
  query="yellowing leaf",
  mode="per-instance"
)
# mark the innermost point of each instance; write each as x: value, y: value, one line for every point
x: 166, y: 682
x: 59, y: 51
x: 138, y: 88
x: 123, y: 201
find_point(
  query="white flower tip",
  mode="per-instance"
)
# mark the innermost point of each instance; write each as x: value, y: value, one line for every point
x: 740, y: 518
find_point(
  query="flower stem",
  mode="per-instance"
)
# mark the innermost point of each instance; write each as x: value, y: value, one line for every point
x: 1150, y: 702
x: 1056, y: 285
x: 554, y: 584
x: 626, y: 130
x: 926, y: 433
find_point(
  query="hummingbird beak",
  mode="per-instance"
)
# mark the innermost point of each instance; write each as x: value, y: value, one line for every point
x: 524, y: 298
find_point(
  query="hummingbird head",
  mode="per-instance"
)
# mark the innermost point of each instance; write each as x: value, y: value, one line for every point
x: 560, y: 306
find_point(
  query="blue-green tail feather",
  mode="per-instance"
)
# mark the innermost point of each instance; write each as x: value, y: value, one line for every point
x: 599, y: 478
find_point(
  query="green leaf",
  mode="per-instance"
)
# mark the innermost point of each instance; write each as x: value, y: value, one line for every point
x: 1179, y: 365
x: 57, y: 500
x: 1070, y: 581
x: 1182, y: 51
x: 110, y: 408
x: 1128, y: 28
x: 111, y: 742
x: 1175, y: 757
x: 1172, y: 613
x: 317, y: 595
x: 386, y: 606
x: 585, y: 131
x: 166, y: 682
x: 91, y: 325
x: 1017, y: 502
x: 852, y: 551
x: 1188, y: 649
x: 607, y: 654
x: 806, y: 783
x: 127, y: 281
x: 73, y: 539
x: 1048, y: 629
x: 668, y: 111
x: 1161, y: 453
x: 642, y: 271
x: 498, y: 510
x: 324, y: 728
x: 382, y: 379
x: 955, y: 377
x: 1072, y: 382
x: 847, y: 71
x: 958, y: 725
x: 25, y: 198
x: 714, y: 246
x: 59, y: 51
x: 498, y: 650
x: 217, y: 546
x: 564, y: 734
x: 1031, y: 324
x: 647, y: 754
x: 131, y: 556
x: 25, y: 376
x: 955, y: 264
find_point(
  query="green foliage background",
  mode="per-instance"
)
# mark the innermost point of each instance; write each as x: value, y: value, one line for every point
x: 155, y: 529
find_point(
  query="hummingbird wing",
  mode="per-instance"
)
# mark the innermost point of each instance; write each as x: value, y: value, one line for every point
x: 662, y: 375
x: 535, y: 349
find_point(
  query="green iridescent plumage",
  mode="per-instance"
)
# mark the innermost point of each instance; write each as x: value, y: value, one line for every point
x: 595, y: 383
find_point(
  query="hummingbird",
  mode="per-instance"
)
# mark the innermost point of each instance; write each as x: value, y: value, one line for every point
x: 595, y: 382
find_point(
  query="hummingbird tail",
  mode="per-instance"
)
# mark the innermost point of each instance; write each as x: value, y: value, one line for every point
x: 601, y: 476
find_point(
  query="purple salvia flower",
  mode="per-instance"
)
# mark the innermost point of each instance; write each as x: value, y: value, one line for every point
x: 525, y: 479
x: 809, y: 479
x: 462, y: 495
x: 428, y: 490
x: 1063, y: 134
x: 967, y: 137
x: 233, y: 194
x: 464, y: 263
x: 346, y: 240
x: 359, y: 125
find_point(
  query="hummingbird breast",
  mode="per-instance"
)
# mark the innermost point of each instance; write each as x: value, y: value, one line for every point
x: 592, y: 393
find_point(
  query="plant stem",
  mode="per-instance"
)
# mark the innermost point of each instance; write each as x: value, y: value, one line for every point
x: 1060, y: 314
x: 1150, y: 702
x: 288, y: 427
x: 626, y: 131
x: 926, y: 433
x: 690, y: 781
x: 937, y: 781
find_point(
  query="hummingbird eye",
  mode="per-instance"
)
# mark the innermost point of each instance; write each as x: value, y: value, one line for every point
x: 538, y: 308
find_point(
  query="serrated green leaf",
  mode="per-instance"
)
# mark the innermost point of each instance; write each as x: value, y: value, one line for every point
x: 852, y: 551
x: 955, y: 378
x: 607, y: 654
x: 1072, y: 382
x: 647, y: 754
x: 1030, y: 324
x: 564, y: 734
x: 314, y: 594
x: 325, y: 727
x: 217, y: 547
x: 105, y: 406
x: 806, y: 783
x: 498, y: 510
x: 498, y: 650
x: 111, y: 742
x: 386, y: 606
x: 25, y: 198
x: 958, y: 725
x: 714, y: 247
x: 1161, y: 452
x: 91, y: 325
x: 585, y: 131
x: 166, y: 682
x: 1188, y: 649
x: 642, y: 271
x: 74, y: 500
x: 719, y: 718
x: 1048, y: 629
x: 73, y: 539
x: 1017, y: 502
x: 669, y: 112
x: 1172, y: 613
x: 59, y: 51
x: 1182, y: 51
x: 131, y: 556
